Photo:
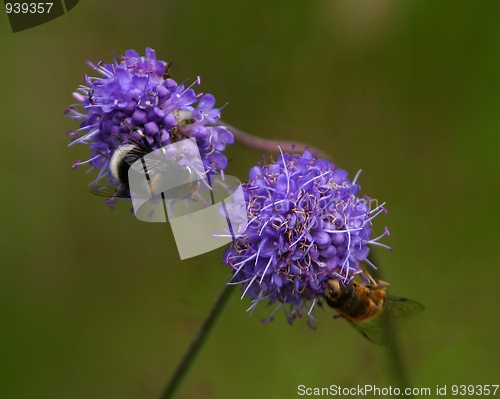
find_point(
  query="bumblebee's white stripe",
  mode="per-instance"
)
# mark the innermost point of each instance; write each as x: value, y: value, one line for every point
x: 117, y: 159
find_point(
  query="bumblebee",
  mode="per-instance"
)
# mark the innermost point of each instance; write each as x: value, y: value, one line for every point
x: 161, y: 169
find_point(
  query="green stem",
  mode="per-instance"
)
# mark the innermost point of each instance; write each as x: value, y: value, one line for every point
x: 393, y: 349
x: 197, y: 343
x: 395, y: 357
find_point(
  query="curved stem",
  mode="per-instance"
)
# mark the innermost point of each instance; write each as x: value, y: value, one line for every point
x: 272, y: 145
x: 393, y: 349
x: 395, y: 357
x: 197, y: 343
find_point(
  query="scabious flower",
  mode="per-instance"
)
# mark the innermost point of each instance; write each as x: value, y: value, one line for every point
x: 138, y: 94
x: 306, y: 225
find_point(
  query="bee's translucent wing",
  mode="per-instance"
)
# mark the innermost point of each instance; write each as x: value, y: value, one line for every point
x: 400, y: 307
x: 374, y: 331
x: 110, y: 190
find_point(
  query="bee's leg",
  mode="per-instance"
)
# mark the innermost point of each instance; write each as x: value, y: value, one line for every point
x: 129, y: 127
x: 134, y: 129
x: 376, y: 285
x: 105, y: 155
x: 372, y: 282
x: 381, y: 285
x: 139, y: 131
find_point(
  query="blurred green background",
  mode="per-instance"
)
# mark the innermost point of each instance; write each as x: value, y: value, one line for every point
x: 95, y: 304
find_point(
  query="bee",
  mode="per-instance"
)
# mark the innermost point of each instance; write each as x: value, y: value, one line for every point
x: 359, y: 304
x: 184, y: 179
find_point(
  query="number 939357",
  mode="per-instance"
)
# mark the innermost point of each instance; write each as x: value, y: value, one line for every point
x: 469, y: 390
x: 28, y: 8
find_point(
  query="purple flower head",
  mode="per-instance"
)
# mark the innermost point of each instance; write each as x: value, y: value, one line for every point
x: 136, y: 100
x: 306, y: 225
